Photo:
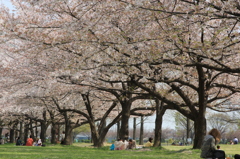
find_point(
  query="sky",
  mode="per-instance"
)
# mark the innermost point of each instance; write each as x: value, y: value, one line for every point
x: 7, y: 3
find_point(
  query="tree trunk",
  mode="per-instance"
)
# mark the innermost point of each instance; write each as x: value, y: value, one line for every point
x: 141, y: 131
x: 36, y: 130
x: 43, y: 131
x: 100, y: 141
x: 31, y: 129
x: 1, y: 129
x: 124, y: 132
x: 200, y: 132
x: 21, y: 130
x: 44, y: 126
x: 68, y: 135
x: 200, y: 120
x: 16, y: 134
x: 160, y: 110
x: 11, y: 135
x: 188, y: 130
x: 94, y: 134
x: 53, y: 134
x: 118, y: 129
x: 134, y: 128
x: 26, y: 129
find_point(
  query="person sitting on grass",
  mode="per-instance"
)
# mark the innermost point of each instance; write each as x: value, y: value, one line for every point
x: 131, y: 144
x: 35, y: 142
x: 19, y: 142
x: 39, y: 143
x: 119, y: 145
x: 125, y: 144
x: 29, y: 141
x: 209, y: 143
x: 149, y: 143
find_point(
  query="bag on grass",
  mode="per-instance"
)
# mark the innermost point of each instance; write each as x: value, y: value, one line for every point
x: 220, y: 154
x: 112, y: 147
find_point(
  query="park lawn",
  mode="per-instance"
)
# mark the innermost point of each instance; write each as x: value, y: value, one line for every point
x: 230, y: 150
x: 85, y: 151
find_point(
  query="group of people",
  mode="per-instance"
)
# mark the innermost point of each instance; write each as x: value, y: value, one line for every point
x: 210, y: 149
x: 123, y: 144
x: 128, y: 144
x: 30, y: 142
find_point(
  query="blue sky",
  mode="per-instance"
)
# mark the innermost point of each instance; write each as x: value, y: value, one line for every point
x: 7, y: 3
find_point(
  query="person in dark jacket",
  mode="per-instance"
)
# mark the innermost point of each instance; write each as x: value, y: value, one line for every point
x: 19, y: 142
x: 209, y: 144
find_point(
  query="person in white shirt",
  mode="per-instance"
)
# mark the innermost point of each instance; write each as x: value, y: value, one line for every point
x: 39, y: 143
x: 119, y: 145
x: 235, y: 140
x: 62, y: 137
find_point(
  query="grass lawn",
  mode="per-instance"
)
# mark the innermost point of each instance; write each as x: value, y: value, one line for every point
x: 85, y: 151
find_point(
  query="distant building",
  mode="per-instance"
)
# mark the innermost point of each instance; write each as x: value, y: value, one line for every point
x: 82, y: 138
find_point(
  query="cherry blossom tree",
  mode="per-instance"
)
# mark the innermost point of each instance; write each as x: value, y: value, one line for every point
x: 184, y: 53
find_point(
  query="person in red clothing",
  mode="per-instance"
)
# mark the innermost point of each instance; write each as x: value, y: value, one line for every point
x: 29, y: 141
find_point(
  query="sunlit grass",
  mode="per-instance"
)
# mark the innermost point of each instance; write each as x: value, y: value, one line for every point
x: 86, y: 151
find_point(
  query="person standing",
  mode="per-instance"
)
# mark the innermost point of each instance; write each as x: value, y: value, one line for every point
x: 209, y: 143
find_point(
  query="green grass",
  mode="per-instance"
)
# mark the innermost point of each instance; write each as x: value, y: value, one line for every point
x: 85, y: 151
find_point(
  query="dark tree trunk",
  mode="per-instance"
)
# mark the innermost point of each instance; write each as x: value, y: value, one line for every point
x: 58, y: 133
x: 16, y: 134
x: 53, y: 133
x: 12, y: 135
x: 31, y: 129
x: 188, y: 130
x: 26, y: 129
x: 102, y: 137
x: 44, y: 126
x: 124, y: 132
x: 134, y: 128
x: 36, y: 130
x: 141, y: 131
x: 21, y: 130
x: 160, y: 110
x: 99, y: 134
x: 94, y: 134
x: 118, y: 129
x: 43, y: 131
x: 200, y: 132
x: 1, y: 130
x: 68, y: 135
x: 200, y: 120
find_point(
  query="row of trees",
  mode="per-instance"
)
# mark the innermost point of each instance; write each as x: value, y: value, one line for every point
x: 88, y: 61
